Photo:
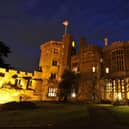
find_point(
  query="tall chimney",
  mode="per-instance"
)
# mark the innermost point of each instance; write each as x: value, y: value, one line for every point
x: 105, y: 42
x: 82, y: 42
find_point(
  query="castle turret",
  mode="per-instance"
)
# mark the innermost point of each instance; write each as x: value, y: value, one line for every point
x: 67, y: 44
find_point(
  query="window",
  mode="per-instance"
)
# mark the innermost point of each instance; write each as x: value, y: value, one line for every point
x: 118, y: 60
x: 2, y: 74
x: 52, y: 92
x: 73, y: 44
x: 53, y: 76
x: 54, y: 63
x: 56, y: 51
x: 109, y: 87
x: 17, y: 82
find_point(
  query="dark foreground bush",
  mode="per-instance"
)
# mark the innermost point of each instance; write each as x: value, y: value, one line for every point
x: 18, y: 106
x: 105, y: 102
x: 117, y: 103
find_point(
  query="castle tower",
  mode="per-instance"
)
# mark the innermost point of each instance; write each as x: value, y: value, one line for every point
x: 67, y: 44
x: 82, y: 42
x: 51, y: 59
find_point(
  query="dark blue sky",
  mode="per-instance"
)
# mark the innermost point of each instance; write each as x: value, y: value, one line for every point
x: 25, y: 24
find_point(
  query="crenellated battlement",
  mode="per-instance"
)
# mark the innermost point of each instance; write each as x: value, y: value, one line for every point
x: 20, y: 84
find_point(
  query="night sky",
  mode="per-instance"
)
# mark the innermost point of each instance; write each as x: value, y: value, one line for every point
x: 25, y: 24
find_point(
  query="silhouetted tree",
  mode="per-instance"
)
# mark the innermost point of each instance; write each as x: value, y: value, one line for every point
x: 68, y: 83
x: 4, y: 51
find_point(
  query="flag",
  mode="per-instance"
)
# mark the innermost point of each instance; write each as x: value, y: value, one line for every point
x: 65, y: 23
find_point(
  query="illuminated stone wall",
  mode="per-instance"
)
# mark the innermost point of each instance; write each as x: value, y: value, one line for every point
x: 89, y: 56
x: 111, y: 86
x: 116, y: 57
x: 75, y: 63
x: 19, y: 83
x: 55, y: 57
x: 51, y: 64
x: 51, y: 59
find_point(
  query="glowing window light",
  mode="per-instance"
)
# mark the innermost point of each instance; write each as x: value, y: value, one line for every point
x: 73, y: 95
x: 107, y: 70
x: 119, y: 96
x: 101, y: 60
x: 52, y: 92
x: 73, y: 44
x: 93, y: 69
x: 75, y: 69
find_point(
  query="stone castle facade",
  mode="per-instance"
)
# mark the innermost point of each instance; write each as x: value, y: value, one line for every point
x: 104, y: 72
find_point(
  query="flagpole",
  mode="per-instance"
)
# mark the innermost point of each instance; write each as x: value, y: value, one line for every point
x: 65, y: 30
x: 65, y: 23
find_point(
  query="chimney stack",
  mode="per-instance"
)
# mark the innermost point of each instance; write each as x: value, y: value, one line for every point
x: 82, y: 42
x: 105, y: 42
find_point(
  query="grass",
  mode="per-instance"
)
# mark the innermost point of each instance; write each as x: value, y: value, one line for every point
x: 121, y: 113
x: 47, y: 114
x: 103, y: 105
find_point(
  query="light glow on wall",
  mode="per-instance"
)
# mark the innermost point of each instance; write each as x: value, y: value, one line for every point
x: 93, y: 69
x: 9, y: 95
x: 73, y: 95
x: 107, y: 70
x: 118, y: 96
x: 75, y: 69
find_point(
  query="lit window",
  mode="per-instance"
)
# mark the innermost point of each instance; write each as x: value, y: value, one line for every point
x: 52, y: 92
x: 75, y: 69
x: 73, y: 95
x: 109, y: 87
x: 107, y: 70
x: 73, y: 44
x: 93, y: 69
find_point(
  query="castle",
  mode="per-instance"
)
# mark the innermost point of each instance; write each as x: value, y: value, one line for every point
x: 104, y: 72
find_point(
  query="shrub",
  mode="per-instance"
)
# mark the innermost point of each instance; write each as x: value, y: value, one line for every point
x: 105, y: 102
x: 118, y: 102
x: 18, y: 106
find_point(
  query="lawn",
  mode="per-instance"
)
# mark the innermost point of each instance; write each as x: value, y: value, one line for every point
x: 47, y: 114
x: 56, y: 114
x: 121, y: 113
